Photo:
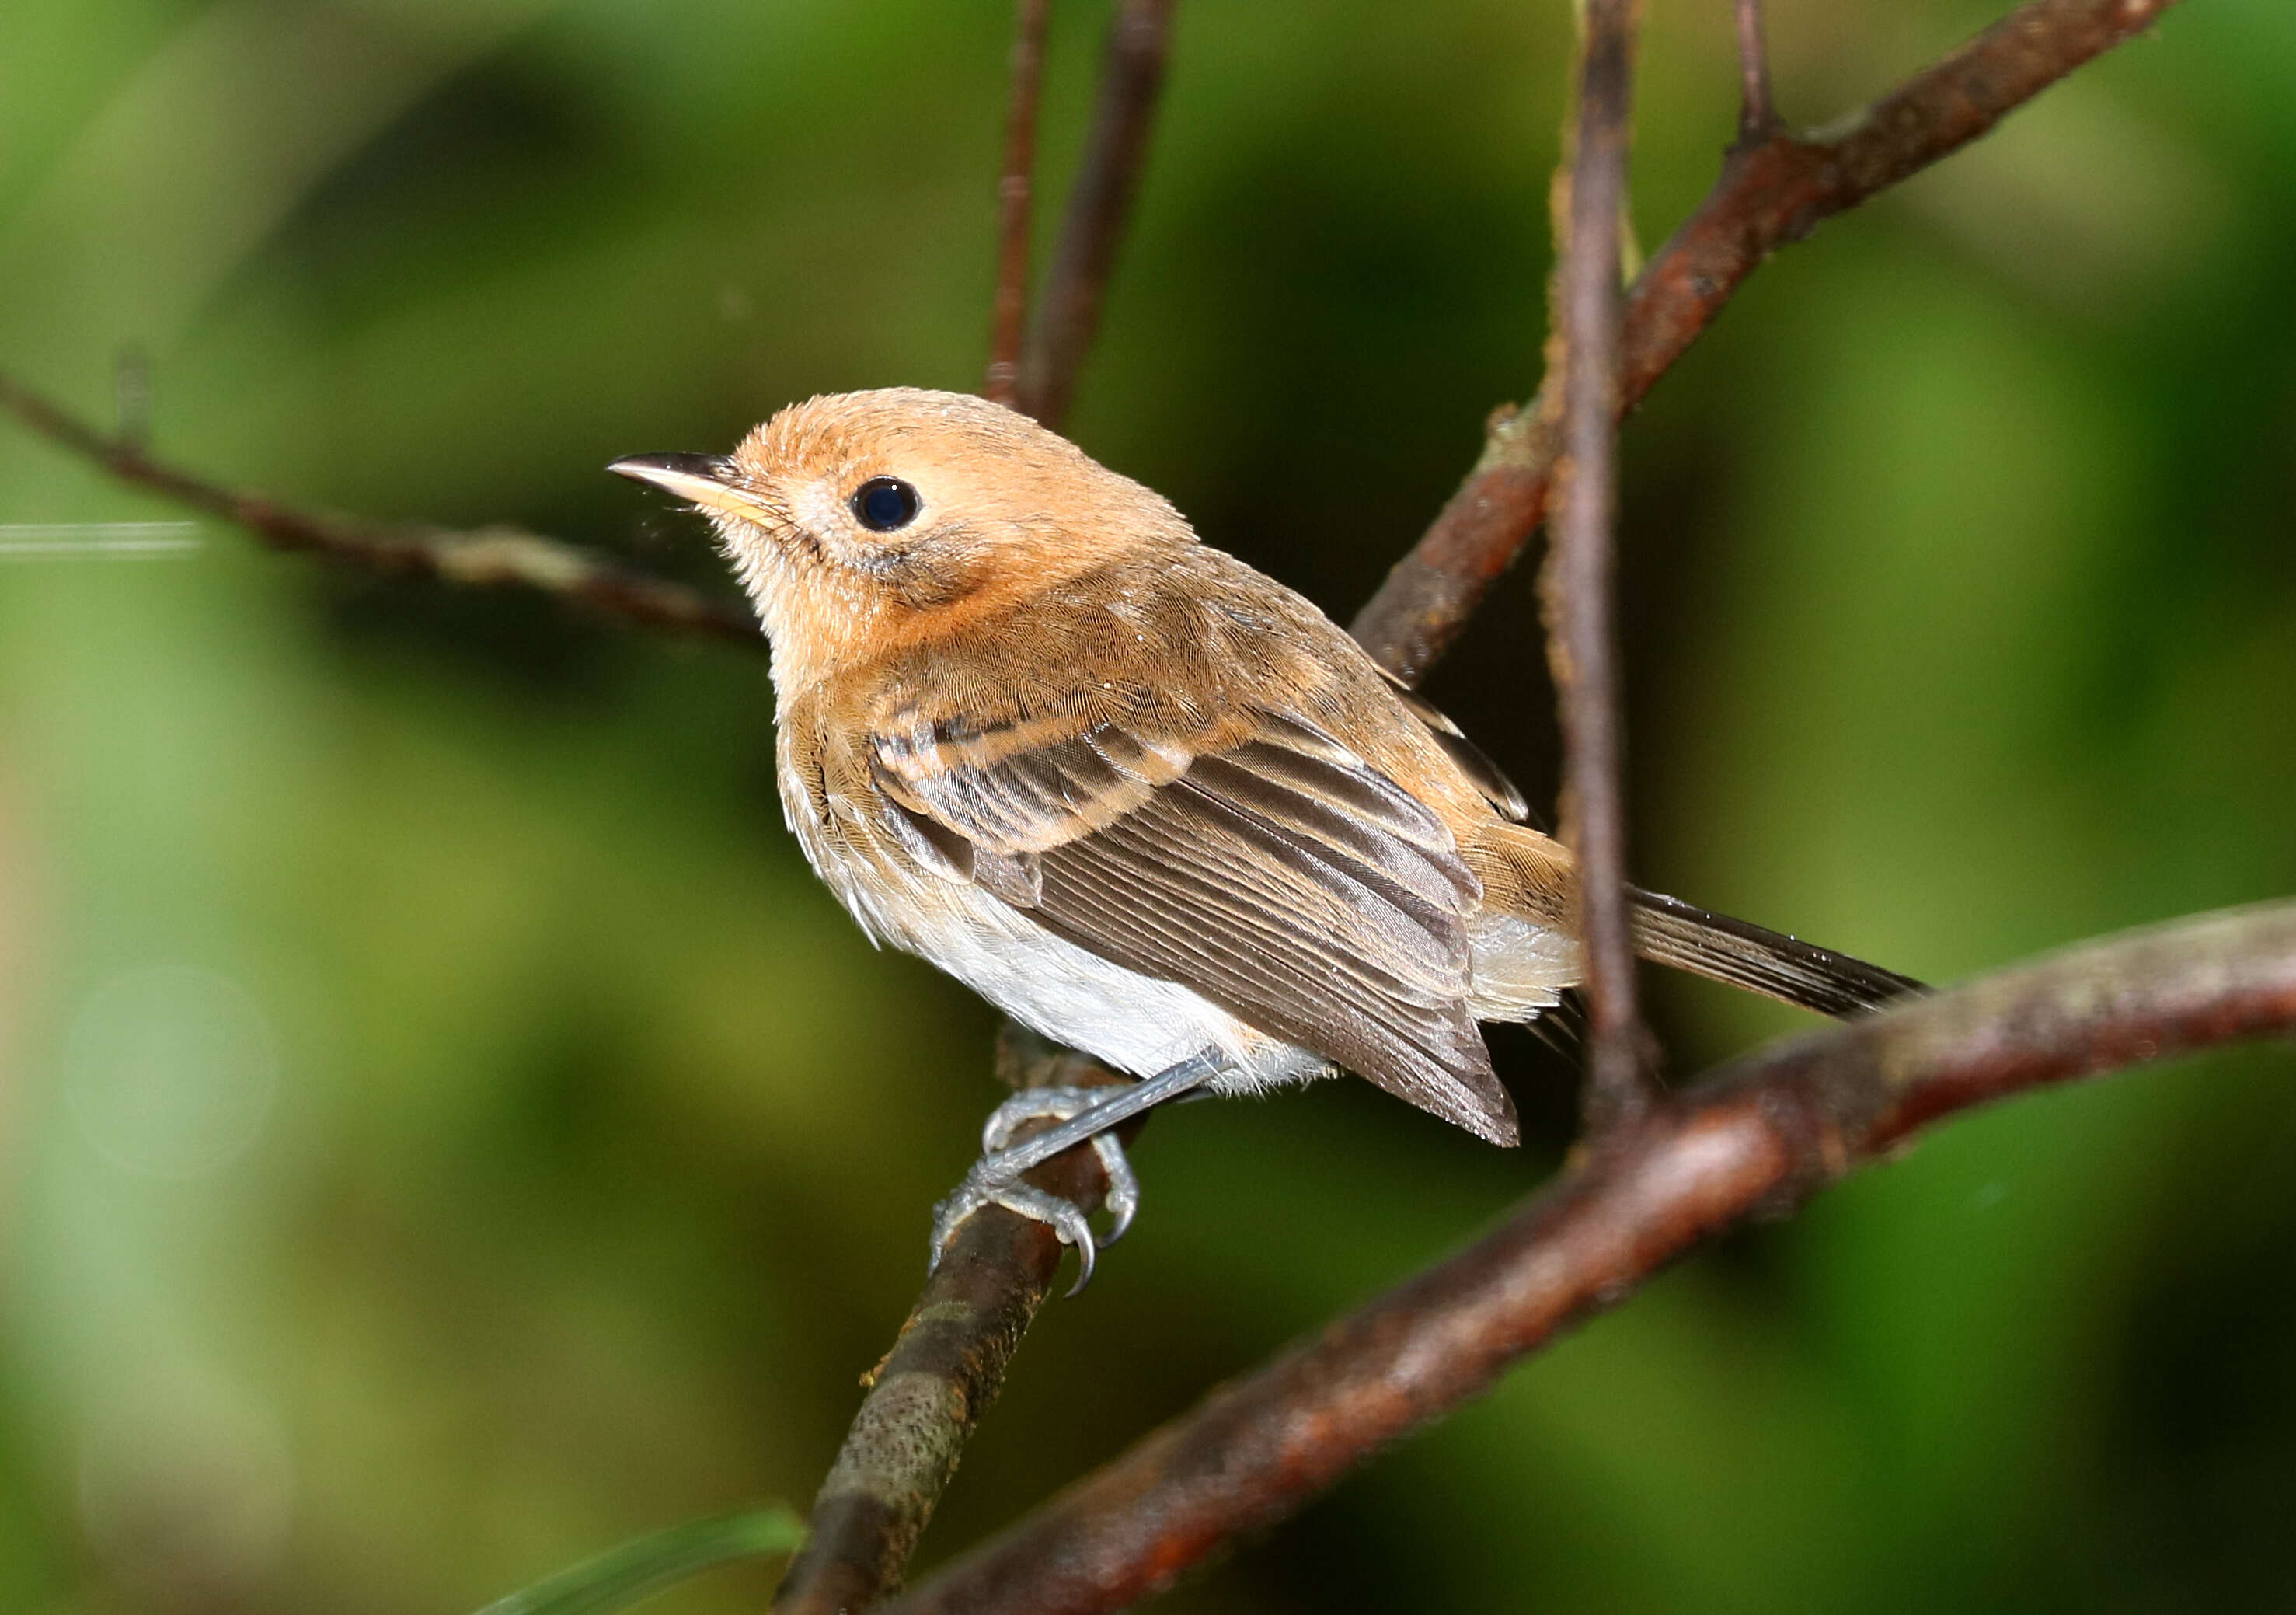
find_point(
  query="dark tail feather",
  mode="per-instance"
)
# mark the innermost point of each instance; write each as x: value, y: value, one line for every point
x: 1672, y: 932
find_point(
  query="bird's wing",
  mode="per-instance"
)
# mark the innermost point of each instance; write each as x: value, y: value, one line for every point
x: 1265, y: 866
x: 1486, y: 776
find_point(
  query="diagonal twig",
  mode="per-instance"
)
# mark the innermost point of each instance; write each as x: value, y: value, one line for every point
x: 1769, y: 196
x: 1015, y: 188
x: 1761, y: 1134
x: 943, y: 1371
x: 1576, y: 586
x: 485, y: 557
x: 1100, y: 206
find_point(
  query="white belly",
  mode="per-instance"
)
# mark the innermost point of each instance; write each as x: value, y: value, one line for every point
x: 1135, y: 1022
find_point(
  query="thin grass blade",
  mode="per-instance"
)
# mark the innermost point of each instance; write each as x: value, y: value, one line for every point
x: 622, y: 1575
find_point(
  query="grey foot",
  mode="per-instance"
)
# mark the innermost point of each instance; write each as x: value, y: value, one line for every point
x: 995, y: 1179
x: 1059, y: 1104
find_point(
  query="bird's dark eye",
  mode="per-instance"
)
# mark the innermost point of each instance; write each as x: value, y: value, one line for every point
x: 883, y: 503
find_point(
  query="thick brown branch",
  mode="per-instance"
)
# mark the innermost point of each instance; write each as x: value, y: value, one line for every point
x: 1761, y: 1134
x: 490, y: 557
x: 1100, y: 205
x: 943, y: 1371
x: 1768, y: 194
x: 1014, y: 194
x: 1577, y: 586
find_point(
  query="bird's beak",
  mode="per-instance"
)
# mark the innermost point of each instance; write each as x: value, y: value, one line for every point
x: 699, y: 478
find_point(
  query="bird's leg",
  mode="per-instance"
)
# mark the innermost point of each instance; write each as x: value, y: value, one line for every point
x: 1088, y: 1116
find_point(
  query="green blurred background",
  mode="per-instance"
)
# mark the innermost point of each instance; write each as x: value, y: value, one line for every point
x: 444, y: 1130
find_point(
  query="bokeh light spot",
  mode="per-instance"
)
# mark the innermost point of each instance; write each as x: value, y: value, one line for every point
x: 170, y: 1069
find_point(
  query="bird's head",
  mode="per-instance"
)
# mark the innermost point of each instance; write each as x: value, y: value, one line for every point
x: 861, y: 522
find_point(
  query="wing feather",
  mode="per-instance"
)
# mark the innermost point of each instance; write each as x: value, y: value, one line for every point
x: 1470, y: 759
x: 1271, y: 869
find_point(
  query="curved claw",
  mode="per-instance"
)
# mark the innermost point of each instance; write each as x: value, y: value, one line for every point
x: 982, y: 1187
x: 1059, y: 1104
x: 1123, y: 1198
x: 1086, y: 1254
x: 1064, y: 1219
x: 994, y: 1180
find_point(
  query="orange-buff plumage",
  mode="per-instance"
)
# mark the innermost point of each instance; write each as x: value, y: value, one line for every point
x: 1138, y: 794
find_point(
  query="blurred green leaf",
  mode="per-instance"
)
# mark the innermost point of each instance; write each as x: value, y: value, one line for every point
x: 621, y: 1576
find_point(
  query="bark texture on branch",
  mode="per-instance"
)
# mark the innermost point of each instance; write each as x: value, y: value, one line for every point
x: 1770, y: 194
x: 945, y: 1369
x: 1760, y: 1135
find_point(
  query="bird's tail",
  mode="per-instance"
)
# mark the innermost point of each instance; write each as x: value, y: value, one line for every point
x: 1670, y: 931
x: 1523, y: 953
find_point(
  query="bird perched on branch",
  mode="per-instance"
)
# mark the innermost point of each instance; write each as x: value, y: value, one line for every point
x: 1138, y: 796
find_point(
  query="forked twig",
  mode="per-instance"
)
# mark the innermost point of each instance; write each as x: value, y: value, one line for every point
x: 1769, y: 196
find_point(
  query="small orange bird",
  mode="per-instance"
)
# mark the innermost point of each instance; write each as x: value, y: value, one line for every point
x: 1138, y: 796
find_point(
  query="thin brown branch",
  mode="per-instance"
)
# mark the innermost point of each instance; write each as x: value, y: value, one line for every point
x: 1758, y: 117
x: 486, y: 556
x: 1761, y: 1135
x: 943, y: 1371
x: 945, y: 1367
x: 1578, y: 583
x: 1100, y: 206
x: 1014, y: 193
x: 1769, y: 196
